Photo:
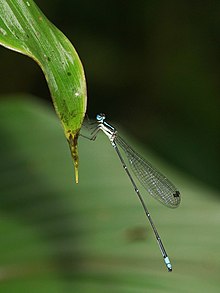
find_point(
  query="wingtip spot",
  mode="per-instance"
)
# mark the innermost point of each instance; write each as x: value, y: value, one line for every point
x: 176, y: 194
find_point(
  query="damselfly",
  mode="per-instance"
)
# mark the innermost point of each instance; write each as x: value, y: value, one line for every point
x: 151, y: 179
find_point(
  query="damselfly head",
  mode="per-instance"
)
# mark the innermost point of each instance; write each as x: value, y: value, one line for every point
x: 100, y: 117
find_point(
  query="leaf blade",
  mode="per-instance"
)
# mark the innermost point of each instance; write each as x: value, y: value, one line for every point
x: 25, y: 29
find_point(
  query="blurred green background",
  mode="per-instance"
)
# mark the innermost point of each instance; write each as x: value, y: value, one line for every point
x: 153, y: 68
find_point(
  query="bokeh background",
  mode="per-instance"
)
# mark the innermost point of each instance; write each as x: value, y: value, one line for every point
x: 153, y: 68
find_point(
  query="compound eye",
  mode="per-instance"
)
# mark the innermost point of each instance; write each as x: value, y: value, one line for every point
x: 100, y: 117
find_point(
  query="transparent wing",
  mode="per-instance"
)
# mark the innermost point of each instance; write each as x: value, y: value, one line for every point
x: 151, y: 179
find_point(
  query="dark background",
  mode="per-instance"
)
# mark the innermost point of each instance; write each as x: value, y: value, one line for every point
x: 152, y: 66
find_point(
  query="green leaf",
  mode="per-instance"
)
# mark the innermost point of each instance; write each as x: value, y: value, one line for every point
x: 25, y: 29
x: 56, y: 237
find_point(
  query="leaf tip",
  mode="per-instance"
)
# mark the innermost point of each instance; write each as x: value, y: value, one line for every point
x: 76, y: 174
x: 72, y: 140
